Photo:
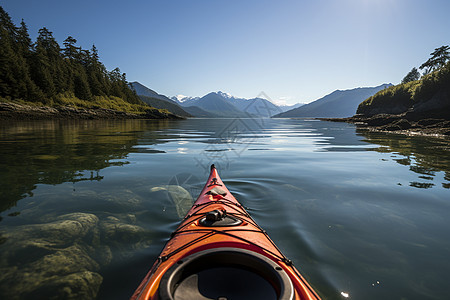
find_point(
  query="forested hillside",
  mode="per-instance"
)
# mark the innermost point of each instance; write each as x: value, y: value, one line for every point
x: 422, y: 96
x: 45, y: 73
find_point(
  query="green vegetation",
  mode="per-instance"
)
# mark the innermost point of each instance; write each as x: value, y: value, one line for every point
x: 411, y: 76
x: 438, y: 59
x: 407, y: 95
x: 43, y: 73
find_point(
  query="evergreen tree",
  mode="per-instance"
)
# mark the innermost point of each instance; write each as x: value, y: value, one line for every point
x: 8, y: 67
x: 25, y: 48
x: 439, y: 58
x: 7, y: 24
x: 40, y: 71
x: 8, y: 81
x: 411, y: 76
x: 82, y: 90
x: 97, y: 74
x: 15, y: 81
x: 70, y: 51
x: 24, y: 40
x: 44, y: 63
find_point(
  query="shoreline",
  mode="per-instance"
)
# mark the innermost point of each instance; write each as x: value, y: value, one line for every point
x: 399, y: 124
x: 15, y: 111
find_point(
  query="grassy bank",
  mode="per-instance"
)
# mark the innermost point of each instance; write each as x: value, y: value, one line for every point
x: 106, y: 102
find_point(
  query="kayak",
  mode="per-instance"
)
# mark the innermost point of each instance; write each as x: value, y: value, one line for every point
x: 219, y: 252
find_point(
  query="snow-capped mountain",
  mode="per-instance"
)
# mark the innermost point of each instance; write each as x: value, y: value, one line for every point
x: 225, y: 95
x: 231, y: 105
x: 180, y: 99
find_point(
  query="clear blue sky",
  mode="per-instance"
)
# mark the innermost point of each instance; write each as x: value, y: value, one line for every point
x: 297, y: 51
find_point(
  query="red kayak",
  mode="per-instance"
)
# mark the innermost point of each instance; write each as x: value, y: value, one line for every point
x: 219, y: 252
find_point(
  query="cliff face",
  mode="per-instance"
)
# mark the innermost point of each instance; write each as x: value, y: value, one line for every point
x: 428, y: 97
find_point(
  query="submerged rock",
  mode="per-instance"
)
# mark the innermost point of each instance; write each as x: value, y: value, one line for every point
x: 81, y: 285
x: 62, y: 258
x: 179, y: 198
x: 34, y: 257
x: 123, y: 238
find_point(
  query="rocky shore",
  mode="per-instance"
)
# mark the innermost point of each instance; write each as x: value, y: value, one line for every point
x: 14, y: 111
x: 405, y: 123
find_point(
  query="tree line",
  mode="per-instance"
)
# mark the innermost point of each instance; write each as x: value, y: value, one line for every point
x: 42, y: 71
x: 438, y: 60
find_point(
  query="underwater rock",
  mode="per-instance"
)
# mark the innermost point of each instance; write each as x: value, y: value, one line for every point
x: 81, y: 285
x: 179, y: 198
x: 124, y: 238
x: 125, y: 200
x: 62, y: 258
x: 34, y: 258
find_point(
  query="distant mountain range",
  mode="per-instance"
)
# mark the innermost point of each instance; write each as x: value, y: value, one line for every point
x: 289, y: 107
x: 218, y: 103
x: 338, y: 104
x: 225, y: 105
x: 184, y: 99
x: 215, y: 104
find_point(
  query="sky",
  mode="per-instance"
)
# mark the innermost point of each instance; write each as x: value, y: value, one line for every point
x: 292, y: 51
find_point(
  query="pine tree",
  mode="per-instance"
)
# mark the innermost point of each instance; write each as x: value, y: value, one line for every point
x: 14, y: 76
x: 24, y: 41
x: 71, y: 51
x: 411, y: 76
x: 82, y: 90
x: 439, y: 58
x: 43, y: 63
x: 40, y: 71
x: 25, y: 48
x: 7, y: 24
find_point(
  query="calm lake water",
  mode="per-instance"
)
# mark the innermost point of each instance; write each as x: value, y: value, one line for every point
x: 86, y: 206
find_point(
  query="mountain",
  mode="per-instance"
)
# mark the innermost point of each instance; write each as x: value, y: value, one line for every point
x: 156, y: 100
x: 259, y: 107
x: 221, y: 101
x: 289, y: 107
x: 200, y: 113
x: 163, y: 104
x: 142, y: 90
x: 338, y: 104
x: 184, y: 100
x: 217, y: 104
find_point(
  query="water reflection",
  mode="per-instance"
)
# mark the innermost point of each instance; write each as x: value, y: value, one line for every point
x: 329, y: 194
x: 424, y: 156
x: 53, y: 152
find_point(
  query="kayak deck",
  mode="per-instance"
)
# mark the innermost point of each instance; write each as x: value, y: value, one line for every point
x: 219, y: 252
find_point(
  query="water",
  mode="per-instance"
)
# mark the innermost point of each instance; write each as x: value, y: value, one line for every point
x: 86, y: 206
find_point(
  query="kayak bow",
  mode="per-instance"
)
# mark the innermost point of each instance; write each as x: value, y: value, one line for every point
x: 219, y: 252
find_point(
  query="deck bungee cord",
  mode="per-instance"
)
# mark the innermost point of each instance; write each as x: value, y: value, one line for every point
x: 219, y: 252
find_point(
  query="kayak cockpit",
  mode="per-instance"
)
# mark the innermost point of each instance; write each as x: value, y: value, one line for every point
x: 226, y: 273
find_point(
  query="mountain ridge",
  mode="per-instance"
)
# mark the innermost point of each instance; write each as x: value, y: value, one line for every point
x: 156, y: 100
x: 337, y: 104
